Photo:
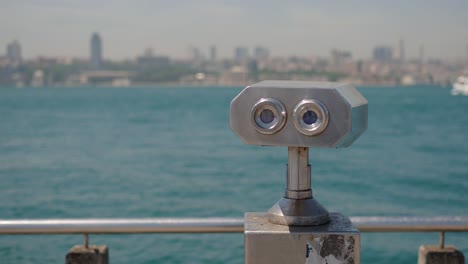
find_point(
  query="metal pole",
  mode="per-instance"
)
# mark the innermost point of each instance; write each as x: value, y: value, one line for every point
x: 86, y: 240
x: 298, y: 184
x: 411, y: 224
x: 442, y: 239
x: 216, y: 225
x: 122, y: 225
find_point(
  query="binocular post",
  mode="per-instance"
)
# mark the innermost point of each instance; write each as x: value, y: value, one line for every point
x: 298, y: 207
x: 297, y: 229
x: 298, y: 181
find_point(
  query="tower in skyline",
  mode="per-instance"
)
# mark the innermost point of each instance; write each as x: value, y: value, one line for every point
x: 213, y: 53
x: 383, y: 54
x: 401, y: 50
x: 96, y: 52
x: 467, y: 53
x: 14, y: 52
x: 421, y: 53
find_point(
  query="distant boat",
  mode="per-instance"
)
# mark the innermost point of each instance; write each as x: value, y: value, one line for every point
x: 460, y: 87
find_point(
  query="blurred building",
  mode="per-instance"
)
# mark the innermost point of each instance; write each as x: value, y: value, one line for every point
x: 213, y: 53
x: 401, y: 51
x: 196, y: 57
x: 38, y: 79
x: 96, y: 52
x: 14, y: 52
x: 150, y: 61
x: 195, y: 54
x: 102, y: 78
x: 466, y: 54
x: 252, y: 68
x: 237, y: 75
x: 339, y: 57
x: 421, y: 53
x: 383, y: 54
x: 261, y: 53
x: 241, y: 53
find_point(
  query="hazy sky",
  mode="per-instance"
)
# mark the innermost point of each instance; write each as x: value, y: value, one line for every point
x: 64, y: 27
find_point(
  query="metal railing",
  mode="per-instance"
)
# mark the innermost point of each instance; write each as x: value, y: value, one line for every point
x: 216, y: 225
x: 122, y: 226
x: 439, y: 224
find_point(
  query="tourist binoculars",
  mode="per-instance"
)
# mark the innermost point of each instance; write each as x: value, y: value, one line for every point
x: 299, y: 115
x: 302, y: 114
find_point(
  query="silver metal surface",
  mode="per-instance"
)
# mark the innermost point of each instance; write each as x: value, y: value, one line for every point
x: 347, y: 111
x: 118, y: 226
x: 298, y: 207
x: 337, y: 242
x: 411, y: 224
x: 216, y: 225
x: 298, y: 181
x: 312, y: 128
x: 298, y: 212
x: 278, y: 118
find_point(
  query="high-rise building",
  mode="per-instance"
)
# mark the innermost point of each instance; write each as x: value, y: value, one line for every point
x: 383, y: 53
x: 401, y: 50
x: 241, y: 53
x: 340, y: 57
x: 421, y: 53
x: 213, y: 53
x: 466, y: 53
x: 195, y: 54
x: 14, y: 52
x: 421, y: 58
x: 96, y: 52
x: 252, y: 68
x: 261, y: 52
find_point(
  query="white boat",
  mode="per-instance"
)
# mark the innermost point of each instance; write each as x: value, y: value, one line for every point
x: 460, y: 87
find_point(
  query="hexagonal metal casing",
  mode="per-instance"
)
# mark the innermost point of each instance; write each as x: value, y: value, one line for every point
x: 347, y: 113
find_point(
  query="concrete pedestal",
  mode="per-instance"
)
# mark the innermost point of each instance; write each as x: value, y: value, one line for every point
x: 337, y: 242
x: 438, y: 255
x: 90, y: 255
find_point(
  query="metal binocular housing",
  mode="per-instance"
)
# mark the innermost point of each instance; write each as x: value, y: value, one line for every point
x: 299, y: 115
x: 302, y: 114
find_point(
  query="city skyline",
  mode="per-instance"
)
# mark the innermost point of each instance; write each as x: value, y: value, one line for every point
x: 58, y: 28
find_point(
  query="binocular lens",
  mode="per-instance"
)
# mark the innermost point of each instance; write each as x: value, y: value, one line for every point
x: 310, y: 117
x: 268, y: 116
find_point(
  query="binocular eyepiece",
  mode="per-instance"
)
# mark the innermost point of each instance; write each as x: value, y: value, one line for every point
x: 303, y: 114
x: 310, y: 117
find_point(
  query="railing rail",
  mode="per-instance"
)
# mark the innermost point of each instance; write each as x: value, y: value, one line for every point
x: 215, y: 225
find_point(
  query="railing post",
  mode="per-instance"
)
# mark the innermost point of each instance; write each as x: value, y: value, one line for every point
x: 440, y: 254
x: 88, y: 254
x: 434, y: 254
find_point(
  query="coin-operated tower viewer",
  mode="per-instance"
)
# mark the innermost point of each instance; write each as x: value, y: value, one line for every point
x: 299, y: 115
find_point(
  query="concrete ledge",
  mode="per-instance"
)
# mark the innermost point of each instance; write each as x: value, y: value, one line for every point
x: 431, y: 254
x: 93, y: 254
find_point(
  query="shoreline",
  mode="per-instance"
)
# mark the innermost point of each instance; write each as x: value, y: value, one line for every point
x: 177, y: 86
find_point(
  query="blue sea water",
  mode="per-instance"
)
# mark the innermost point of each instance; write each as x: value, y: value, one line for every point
x: 169, y: 152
